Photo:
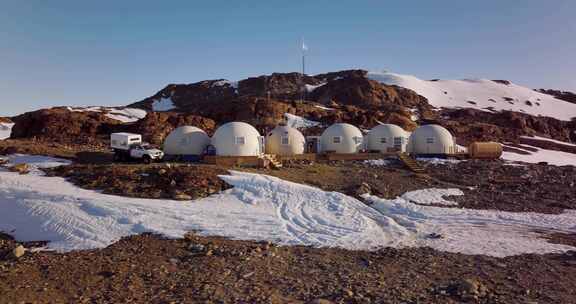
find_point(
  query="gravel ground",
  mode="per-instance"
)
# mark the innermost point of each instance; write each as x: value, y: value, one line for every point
x: 149, y: 269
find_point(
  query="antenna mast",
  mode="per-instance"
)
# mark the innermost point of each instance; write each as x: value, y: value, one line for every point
x: 304, y: 49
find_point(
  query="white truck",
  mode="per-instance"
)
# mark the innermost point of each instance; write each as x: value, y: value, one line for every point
x: 129, y: 146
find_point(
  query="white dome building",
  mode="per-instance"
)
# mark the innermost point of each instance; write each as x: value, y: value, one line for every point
x: 387, y: 138
x: 432, y: 140
x: 186, y: 140
x: 284, y: 140
x: 237, y: 139
x: 341, y: 138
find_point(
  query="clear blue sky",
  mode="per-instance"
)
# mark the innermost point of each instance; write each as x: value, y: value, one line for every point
x: 117, y: 52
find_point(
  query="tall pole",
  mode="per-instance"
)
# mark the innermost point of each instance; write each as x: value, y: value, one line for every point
x: 304, y: 49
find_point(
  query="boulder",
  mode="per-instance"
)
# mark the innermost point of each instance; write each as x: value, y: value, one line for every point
x: 18, y: 252
x: 20, y: 168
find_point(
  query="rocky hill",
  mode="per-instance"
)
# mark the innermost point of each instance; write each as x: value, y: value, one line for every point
x: 61, y: 125
x: 471, y: 109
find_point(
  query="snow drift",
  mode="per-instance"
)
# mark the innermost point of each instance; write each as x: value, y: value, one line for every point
x: 262, y: 207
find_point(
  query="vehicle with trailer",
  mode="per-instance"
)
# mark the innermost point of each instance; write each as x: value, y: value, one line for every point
x: 129, y: 146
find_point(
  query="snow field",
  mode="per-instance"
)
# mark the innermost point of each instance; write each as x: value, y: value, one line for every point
x: 481, y: 94
x: 261, y: 207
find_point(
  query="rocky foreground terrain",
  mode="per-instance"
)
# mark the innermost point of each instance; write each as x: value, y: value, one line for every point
x: 149, y: 269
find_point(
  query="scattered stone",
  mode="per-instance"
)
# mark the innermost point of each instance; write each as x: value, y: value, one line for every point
x: 181, y: 197
x: 363, y: 188
x: 20, y: 168
x: 18, y: 252
x: 469, y: 288
x: 196, y: 247
x: 320, y: 301
x: 434, y: 236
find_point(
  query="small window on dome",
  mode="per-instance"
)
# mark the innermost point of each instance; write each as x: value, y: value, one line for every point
x: 240, y: 140
x: 337, y: 139
x: 285, y: 140
x: 430, y: 140
x: 357, y: 139
x: 383, y: 140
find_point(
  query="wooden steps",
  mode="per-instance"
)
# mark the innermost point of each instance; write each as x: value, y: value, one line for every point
x: 411, y: 163
x: 275, y: 163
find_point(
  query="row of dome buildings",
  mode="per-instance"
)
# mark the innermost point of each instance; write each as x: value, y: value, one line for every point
x: 242, y: 139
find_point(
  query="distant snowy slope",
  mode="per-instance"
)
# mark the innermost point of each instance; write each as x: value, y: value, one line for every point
x: 481, y: 94
x: 121, y: 114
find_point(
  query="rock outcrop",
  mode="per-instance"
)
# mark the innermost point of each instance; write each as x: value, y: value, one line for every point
x: 63, y: 126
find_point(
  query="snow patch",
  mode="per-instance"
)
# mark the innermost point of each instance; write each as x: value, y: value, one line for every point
x: 432, y: 196
x: 298, y: 122
x: 125, y: 115
x: 5, y: 130
x: 438, y: 161
x: 550, y: 140
x: 224, y: 82
x: 324, y: 108
x: 163, y: 104
x: 35, y: 162
x: 481, y: 94
x: 552, y: 157
x: 310, y: 88
x: 377, y: 162
x: 467, y: 231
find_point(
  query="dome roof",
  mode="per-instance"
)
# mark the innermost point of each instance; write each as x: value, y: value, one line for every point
x: 236, y: 139
x: 342, y: 138
x: 284, y: 140
x: 387, y: 129
x: 385, y: 136
x: 186, y: 140
x: 433, y: 130
x: 431, y: 139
